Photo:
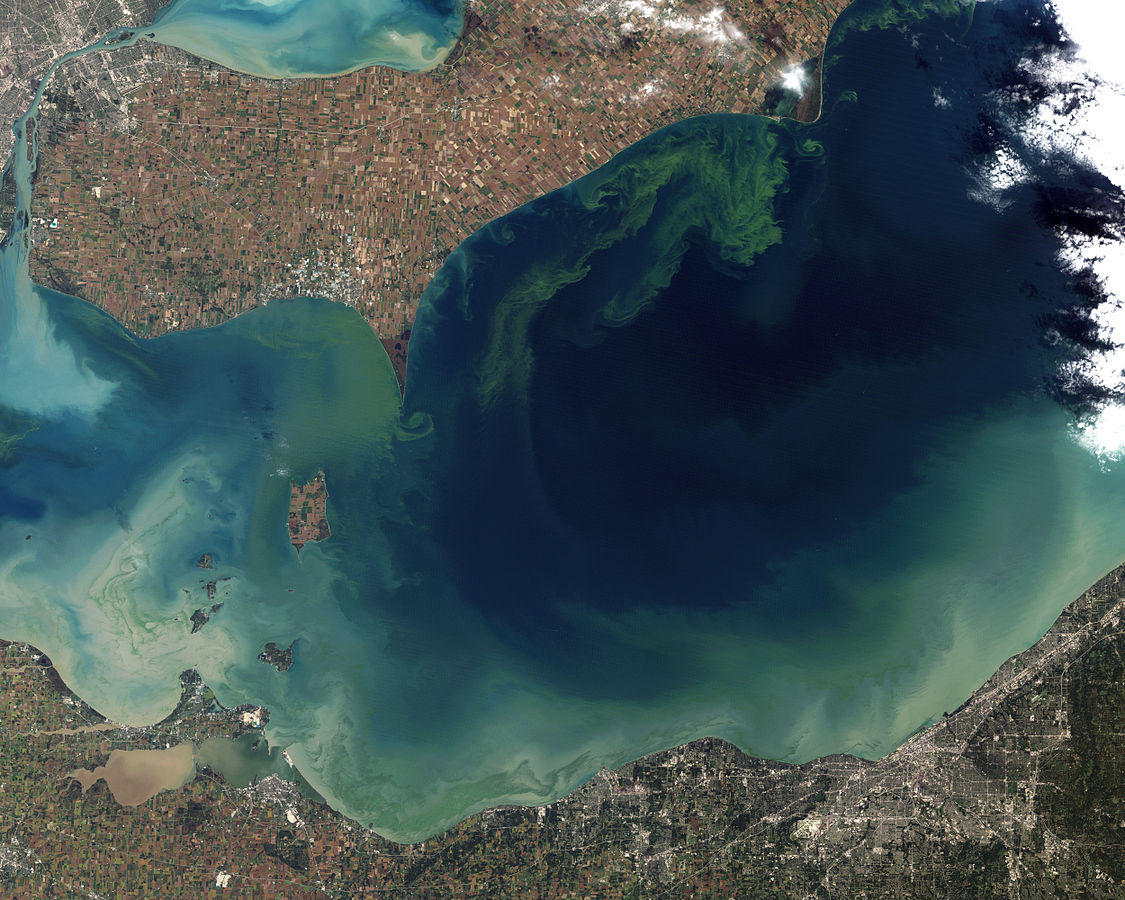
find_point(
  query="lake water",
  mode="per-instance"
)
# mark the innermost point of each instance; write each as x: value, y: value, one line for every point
x: 302, y: 38
x: 134, y: 776
x: 764, y: 431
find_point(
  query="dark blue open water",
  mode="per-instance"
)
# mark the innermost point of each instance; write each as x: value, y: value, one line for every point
x: 758, y: 431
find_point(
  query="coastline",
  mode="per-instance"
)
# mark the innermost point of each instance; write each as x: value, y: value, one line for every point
x: 914, y: 750
x: 1088, y: 620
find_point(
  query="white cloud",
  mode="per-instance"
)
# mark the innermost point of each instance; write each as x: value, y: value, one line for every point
x: 794, y: 79
x: 1095, y: 134
x: 714, y: 26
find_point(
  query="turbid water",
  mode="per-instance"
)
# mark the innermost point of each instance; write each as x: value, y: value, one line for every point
x: 134, y: 776
x: 300, y: 38
x: 762, y: 430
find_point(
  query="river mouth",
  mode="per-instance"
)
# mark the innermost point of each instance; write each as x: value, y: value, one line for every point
x: 756, y: 432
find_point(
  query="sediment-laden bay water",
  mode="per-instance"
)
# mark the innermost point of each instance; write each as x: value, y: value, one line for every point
x: 303, y: 38
x: 762, y: 430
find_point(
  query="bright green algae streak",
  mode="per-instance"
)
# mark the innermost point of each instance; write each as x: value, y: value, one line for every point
x: 744, y: 435
x: 716, y: 179
x: 888, y: 14
x: 13, y: 428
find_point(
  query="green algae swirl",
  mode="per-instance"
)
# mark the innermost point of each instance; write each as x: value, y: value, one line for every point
x: 748, y: 433
x: 716, y: 179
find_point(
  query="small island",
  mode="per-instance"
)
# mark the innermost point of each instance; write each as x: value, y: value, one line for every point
x: 202, y: 616
x: 308, y: 512
x: 281, y: 658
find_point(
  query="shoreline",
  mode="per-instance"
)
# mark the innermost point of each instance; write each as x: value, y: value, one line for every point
x: 1099, y: 607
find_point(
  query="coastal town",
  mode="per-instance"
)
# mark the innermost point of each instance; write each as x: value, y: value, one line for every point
x: 1016, y: 789
x: 175, y: 194
x: 218, y: 192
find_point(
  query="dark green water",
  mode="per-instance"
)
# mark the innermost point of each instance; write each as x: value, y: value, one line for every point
x: 757, y: 431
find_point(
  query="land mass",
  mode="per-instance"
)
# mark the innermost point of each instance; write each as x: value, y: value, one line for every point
x: 34, y: 33
x: 281, y: 658
x: 218, y: 191
x: 176, y: 194
x: 308, y: 512
x: 1018, y: 793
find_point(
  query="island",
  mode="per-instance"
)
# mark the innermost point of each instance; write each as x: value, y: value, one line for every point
x: 308, y: 512
x: 281, y: 658
x: 357, y: 188
x: 1020, y: 785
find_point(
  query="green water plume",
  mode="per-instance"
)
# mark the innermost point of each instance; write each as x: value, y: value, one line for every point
x: 717, y: 180
x: 886, y: 14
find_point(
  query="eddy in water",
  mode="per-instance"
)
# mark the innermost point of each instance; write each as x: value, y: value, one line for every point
x: 754, y: 432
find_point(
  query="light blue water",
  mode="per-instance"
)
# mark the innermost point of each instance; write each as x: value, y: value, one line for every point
x: 754, y: 432
x: 303, y: 38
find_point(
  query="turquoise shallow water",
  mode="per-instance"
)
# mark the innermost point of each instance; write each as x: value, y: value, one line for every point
x: 755, y: 432
x: 302, y: 38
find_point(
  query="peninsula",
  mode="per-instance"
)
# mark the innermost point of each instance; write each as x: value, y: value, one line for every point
x: 207, y: 192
